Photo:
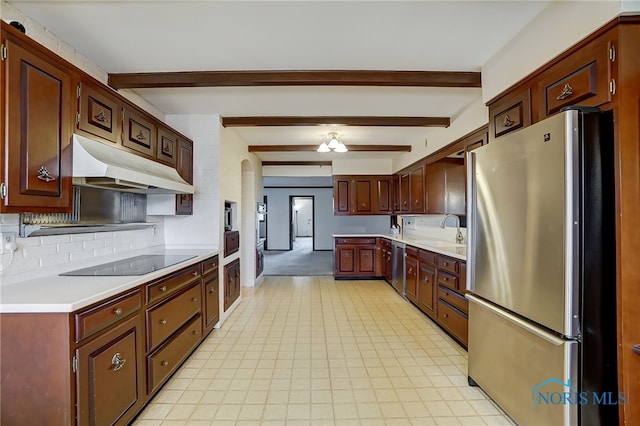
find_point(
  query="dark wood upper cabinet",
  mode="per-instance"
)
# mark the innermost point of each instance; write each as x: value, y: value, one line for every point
x: 418, y: 196
x: 404, y: 198
x: 167, y: 147
x: 383, y: 195
x: 446, y: 186
x: 184, y: 166
x: 37, y: 127
x: 510, y: 113
x: 99, y: 112
x: 363, y: 195
x: 139, y: 133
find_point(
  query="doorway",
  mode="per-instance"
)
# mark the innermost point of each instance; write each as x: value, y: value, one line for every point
x: 302, y: 224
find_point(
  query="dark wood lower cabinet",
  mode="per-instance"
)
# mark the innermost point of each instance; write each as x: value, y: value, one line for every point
x: 426, y: 280
x: 100, y: 365
x: 231, y: 283
x: 411, y: 278
x: 111, y: 387
x: 356, y: 258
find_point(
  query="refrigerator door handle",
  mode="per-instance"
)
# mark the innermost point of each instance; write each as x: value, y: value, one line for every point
x: 517, y: 321
x: 471, y: 220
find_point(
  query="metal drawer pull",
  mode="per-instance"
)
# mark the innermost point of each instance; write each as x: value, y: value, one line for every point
x: 507, y: 122
x: 212, y: 291
x: 43, y: 174
x: 118, y: 311
x: 567, y: 91
x: 140, y: 136
x: 194, y: 299
x: 195, y: 273
x: 163, y: 288
x: 445, y: 315
x: 164, y: 363
x: 101, y: 116
x: 163, y: 322
x: 117, y: 362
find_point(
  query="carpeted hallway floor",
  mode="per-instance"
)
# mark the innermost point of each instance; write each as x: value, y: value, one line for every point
x: 301, y: 261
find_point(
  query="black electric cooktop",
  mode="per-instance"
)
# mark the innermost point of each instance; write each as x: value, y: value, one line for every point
x: 138, y: 265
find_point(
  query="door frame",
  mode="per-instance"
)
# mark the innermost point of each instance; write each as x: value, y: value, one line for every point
x: 313, y: 219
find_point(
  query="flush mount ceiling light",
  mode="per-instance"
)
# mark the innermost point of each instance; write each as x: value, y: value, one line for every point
x: 333, y: 144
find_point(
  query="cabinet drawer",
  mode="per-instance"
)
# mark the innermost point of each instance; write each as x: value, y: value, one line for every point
x: 168, y: 357
x: 231, y: 242
x: 427, y: 256
x: 454, y: 321
x: 355, y: 240
x: 448, y: 280
x: 448, y: 264
x: 160, y: 289
x: 580, y: 79
x: 100, y: 317
x: 411, y: 251
x: 166, y: 318
x: 209, y: 265
x: 454, y: 299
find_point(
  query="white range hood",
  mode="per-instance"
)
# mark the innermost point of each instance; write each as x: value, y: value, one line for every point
x: 99, y: 165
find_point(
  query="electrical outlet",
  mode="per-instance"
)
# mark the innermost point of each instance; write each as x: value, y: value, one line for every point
x: 7, y: 242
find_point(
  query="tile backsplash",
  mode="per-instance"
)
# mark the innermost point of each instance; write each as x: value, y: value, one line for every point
x: 428, y: 227
x: 34, y: 253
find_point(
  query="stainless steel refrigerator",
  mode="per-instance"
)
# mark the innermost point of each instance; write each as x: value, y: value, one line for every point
x: 541, y: 271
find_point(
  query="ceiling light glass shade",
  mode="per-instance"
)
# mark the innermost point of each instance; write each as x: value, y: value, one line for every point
x: 324, y: 147
x: 333, y: 141
x: 341, y: 148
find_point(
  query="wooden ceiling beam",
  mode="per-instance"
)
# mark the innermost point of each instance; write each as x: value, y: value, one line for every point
x: 295, y: 78
x: 296, y: 163
x: 341, y: 121
x: 307, y: 148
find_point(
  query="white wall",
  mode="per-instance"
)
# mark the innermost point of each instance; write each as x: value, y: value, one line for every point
x: 233, y: 151
x: 471, y: 118
x: 559, y: 26
x: 304, y: 217
x: 382, y: 166
x: 296, y: 171
x: 197, y: 229
x: 326, y: 223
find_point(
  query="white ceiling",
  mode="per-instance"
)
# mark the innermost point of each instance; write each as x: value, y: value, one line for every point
x: 155, y: 36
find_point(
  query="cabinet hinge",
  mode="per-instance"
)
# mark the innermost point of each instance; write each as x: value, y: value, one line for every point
x: 78, y: 90
x: 612, y: 53
x: 3, y: 52
x: 3, y: 190
x: 74, y: 364
x: 612, y: 86
x: 77, y: 118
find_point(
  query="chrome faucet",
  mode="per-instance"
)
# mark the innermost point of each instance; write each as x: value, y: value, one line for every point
x: 459, y: 237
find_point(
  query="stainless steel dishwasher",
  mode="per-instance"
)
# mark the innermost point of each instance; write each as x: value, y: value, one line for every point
x: 397, y: 266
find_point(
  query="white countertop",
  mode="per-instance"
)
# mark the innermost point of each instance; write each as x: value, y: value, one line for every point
x: 452, y: 250
x: 50, y: 292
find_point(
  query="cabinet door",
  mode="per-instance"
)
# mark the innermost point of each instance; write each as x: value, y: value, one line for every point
x: 341, y: 196
x: 99, y: 113
x: 366, y: 261
x: 345, y: 260
x: 139, y: 133
x: 510, y: 113
x: 167, y: 149
x: 411, y: 281
x: 110, y: 376
x: 184, y: 166
x: 383, y: 195
x: 231, y: 283
x: 426, y: 289
x: 404, y: 199
x: 395, y: 192
x: 437, y: 187
x: 363, y: 191
x: 416, y: 187
x: 211, y: 301
x: 38, y: 130
x: 455, y: 187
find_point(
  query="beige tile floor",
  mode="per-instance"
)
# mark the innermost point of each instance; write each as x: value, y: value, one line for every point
x: 314, y: 351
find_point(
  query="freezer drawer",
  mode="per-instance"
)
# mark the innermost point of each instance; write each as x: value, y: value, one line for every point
x: 511, y: 360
